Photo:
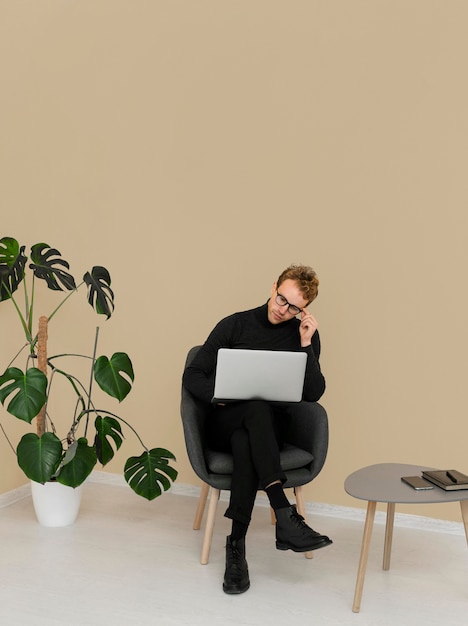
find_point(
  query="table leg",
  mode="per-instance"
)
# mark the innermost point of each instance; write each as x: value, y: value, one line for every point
x: 388, y: 535
x: 464, y: 512
x: 364, y: 554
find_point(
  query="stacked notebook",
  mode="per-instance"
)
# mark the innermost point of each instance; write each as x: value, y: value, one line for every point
x: 450, y: 480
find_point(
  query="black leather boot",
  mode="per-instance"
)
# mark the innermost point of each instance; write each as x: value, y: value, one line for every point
x: 292, y: 533
x: 236, y: 576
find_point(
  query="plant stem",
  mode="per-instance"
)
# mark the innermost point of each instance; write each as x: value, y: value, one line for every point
x: 29, y: 306
x: 6, y: 437
x: 23, y: 321
x: 42, y: 365
x: 17, y: 355
x: 91, y: 377
x: 64, y: 300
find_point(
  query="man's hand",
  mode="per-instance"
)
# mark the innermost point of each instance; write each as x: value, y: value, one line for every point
x: 307, y: 328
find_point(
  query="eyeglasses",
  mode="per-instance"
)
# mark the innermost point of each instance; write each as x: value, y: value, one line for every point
x: 292, y: 308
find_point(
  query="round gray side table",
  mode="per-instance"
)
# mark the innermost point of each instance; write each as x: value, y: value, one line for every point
x: 382, y: 483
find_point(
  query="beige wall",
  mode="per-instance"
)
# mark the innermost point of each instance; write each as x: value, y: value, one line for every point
x: 196, y: 148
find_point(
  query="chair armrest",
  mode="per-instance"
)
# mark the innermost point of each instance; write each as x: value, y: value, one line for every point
x: 307, y: 428
x: 194, y: 414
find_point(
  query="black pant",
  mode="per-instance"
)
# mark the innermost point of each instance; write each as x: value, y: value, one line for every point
x: 251, y: 432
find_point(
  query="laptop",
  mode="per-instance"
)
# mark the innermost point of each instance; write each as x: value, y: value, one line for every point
x: 272, y: 375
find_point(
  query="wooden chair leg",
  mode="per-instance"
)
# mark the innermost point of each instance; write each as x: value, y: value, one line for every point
x: 302, y: 511
x: 201, y: 506
x: 210, y: 520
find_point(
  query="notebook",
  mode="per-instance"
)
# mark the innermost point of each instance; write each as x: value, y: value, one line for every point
x: 450, y: 480
x: 272, y: 375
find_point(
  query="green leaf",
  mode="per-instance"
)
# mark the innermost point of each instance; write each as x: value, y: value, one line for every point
x: 107, y: 427
x: 100, y: 294
x: 39, y: 457
x: 12, y: 264
x: 76, y: 471
x: 147, y: 474
x: 48, y: 265
x: 29, y: 391
x: 108, y: 375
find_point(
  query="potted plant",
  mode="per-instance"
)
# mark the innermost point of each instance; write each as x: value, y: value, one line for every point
x: 92, y: 434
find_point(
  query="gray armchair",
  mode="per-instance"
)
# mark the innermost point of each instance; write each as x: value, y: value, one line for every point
x: 302, y: 457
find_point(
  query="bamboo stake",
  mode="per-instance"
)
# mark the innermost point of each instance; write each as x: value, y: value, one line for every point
x: 42, y: 365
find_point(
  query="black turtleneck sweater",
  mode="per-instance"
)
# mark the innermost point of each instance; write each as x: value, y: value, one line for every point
x: 252, y: 330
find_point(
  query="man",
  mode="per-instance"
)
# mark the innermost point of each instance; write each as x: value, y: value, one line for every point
x: 251, y: 430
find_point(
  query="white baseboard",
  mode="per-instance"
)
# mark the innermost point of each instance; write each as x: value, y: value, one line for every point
x: 10, y: 497
x: 403, y: 520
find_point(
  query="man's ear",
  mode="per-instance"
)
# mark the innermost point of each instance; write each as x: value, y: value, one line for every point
x: 273, y: 289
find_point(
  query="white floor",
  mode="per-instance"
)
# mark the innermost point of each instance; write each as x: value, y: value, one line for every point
x: 126, y: 561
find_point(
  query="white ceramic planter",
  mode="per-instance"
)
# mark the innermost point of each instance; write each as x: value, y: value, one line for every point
x: 55, y: 504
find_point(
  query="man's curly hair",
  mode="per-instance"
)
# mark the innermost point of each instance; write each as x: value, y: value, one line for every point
x: 305, y: 277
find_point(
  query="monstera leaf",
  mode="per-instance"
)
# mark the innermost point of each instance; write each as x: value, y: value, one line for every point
x: 75, y: 470
x: 48, y: 265
x: 108, y: 375
x: 29, y: 392
x: 12, y: 264
x: 148, y: 473
x: 107, y: 428
x: 100, y: 294
x: 39, y: 457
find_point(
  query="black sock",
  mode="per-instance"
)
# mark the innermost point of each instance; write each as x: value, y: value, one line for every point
x: 277, y: 497
x: 239, y: 530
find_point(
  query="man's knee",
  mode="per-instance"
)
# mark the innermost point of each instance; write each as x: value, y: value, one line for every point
x: 258, y: 409
x: 258, y: 413
x: 239, y: 439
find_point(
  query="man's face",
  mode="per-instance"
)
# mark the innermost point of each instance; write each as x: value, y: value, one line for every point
x: 291, y: 294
